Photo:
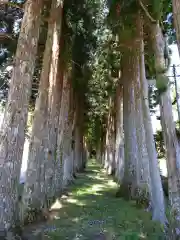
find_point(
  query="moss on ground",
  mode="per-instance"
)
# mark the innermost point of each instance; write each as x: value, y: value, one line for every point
x: 92, y: 207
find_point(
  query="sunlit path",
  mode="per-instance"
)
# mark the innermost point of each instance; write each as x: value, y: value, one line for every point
x: 91, y: 210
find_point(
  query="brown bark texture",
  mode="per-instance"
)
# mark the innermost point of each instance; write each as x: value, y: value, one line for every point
x: 157, y: 196
x: 34, y: 190
x: 63, y: 118
x: 15, y: 118
x: 143, y: 175
x: 54, y: 98
x: 130, y: 71
x: 176, y: 16
x: 168, y: 128
x: 119, y: 151
x: 67, y: 140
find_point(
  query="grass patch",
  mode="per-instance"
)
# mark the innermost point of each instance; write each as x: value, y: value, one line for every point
x: 91, y: 208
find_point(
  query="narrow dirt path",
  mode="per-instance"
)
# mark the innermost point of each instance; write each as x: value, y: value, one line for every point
x: 91, y: 212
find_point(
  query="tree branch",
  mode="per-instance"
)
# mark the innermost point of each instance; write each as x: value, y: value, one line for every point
x: 146, y: 12
x: 5, y: 36
x: 2, y: 2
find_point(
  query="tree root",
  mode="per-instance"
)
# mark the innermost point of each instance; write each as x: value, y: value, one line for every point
x: 124, y: 191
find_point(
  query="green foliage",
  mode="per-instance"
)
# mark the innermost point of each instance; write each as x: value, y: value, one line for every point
x: 80, y: 24
x: 121, y: 18
x: 79, y: 29
x: 162, y: 83
x: 149, y: 63
x: 102, y: 85
x: 9, y: 16
x: 159, y: 141
x: 155, y: 7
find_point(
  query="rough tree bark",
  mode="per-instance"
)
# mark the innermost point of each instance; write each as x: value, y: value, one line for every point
x: 67, y: 141
x: 158, y: 208
x: 106, y: 147
x: 54, y: 98
x: 77, y: 156
x: 85, y: 151
x: 15, y: 118
x: 63, y: 118
x: 98, y: 131
x: 168, y: 127
x: 110, y: 141
x: 58, y: 171
x: 143, y: 175
x: 34, y: 190
x: 119, y: 152
x: 111, y: 167
x: 176, y: 16
x: 177, y: 93
x: 130, y: 71
x: 103, y: 145
x: 79, y: 134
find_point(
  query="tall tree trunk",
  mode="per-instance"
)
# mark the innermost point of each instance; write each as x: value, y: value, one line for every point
x: 98, y: 131
x: 34, y: 190
x: 82, y: 129
x: 15, y: 118
x: 158, y: 208
x: 73, y: 145
x: 111, y: 165
x: 86, y: 153
x: 79, y: 134
x: 168, y: 127
x: 143, y: 175
x: 63, y: 118
x: 103, y: 145
x: 130, y: 71
x: 77, y: 158
x: 98, y: 153
x: 54, y: 156
x: 54, y: 98
x: 110, y: 141
x: 177, y: 93
x: 106, y: 147
x: 119, y: 152
x: 176, y: 16
x: 67, y: 141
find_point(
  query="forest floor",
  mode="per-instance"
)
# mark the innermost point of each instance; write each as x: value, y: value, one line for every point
x: 90, y: 211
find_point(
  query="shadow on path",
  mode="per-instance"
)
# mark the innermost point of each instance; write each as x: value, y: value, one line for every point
x: 90, y: 211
